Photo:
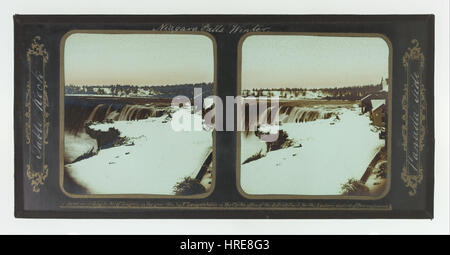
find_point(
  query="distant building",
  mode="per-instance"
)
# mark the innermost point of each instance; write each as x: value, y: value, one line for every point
x: 376, y: 108
x: 378, y: 114
x: 366, y: 104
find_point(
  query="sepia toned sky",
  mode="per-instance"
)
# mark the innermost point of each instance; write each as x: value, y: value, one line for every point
x: 138, y: 59
x: 276, y: 61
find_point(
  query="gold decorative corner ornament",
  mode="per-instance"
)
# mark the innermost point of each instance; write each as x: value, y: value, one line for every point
x: 414, y: 116
x: 36, y: 115
x: 414, y: 53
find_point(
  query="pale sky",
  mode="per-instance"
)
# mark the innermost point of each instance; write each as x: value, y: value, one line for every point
x: 276, y: 61
x: 138, y: 59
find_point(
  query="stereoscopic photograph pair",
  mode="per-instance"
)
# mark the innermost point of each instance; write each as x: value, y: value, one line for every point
x: 224, y: 116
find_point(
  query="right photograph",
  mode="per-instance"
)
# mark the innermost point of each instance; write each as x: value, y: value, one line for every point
x: 333, y: 94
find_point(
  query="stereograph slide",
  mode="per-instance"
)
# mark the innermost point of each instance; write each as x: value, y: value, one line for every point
x: 224, y: 116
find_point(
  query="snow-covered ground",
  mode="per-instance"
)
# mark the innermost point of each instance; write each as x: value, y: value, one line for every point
x: 159, y: 158
x: 332, y: 151
x: 308, y: 94
x: 107, y: 92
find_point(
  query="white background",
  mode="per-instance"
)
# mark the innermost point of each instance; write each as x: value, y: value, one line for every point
x: 440, y: 224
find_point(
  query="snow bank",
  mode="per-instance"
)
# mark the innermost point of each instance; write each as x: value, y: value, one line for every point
x: 78, y: 145
x: 253, y: 145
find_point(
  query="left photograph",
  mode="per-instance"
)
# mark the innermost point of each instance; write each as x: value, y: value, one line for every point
x: 122, y: 132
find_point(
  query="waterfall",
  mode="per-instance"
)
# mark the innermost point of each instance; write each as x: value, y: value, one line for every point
x: 287, y: 114
x: 108, y: 111
x: 78, y: 113
x: 125, y: 112
x: 290, y: 114
x: 136, y: 112
x: 92, y: 114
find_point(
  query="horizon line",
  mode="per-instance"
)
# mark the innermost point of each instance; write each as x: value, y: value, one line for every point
x: 141, y: 85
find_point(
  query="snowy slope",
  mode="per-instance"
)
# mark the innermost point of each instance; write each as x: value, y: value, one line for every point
x: 329, y: 155
x: 159, y: 158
